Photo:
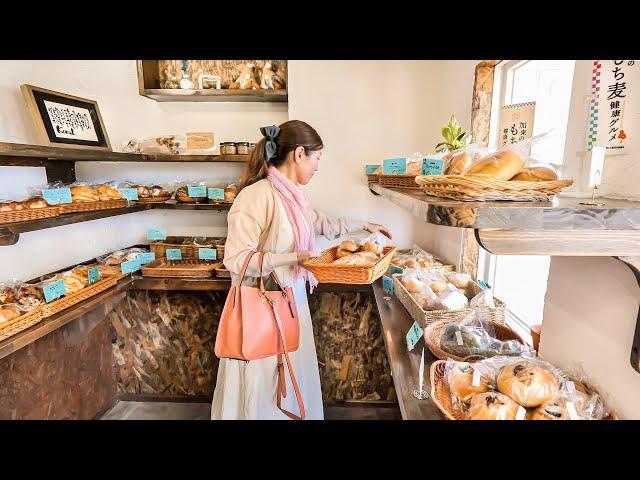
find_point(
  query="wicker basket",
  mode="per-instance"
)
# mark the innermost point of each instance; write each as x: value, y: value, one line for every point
x: 222, y: 272
x: 21, y: 323
x: 220, y: 250
x: 440, y: 394
x: 188, y: 251
x: 92, y: 206
x: 424, y: 317
x: 433, y: 333
x: 154, y: 199
x: 475, y: 188
x: 191, y: 268
x: 399, y: 181
x: 373, y: 178
x: 71, y: 299
x: 326, y: 272
x: 29, y: 214
x: 444, y: 268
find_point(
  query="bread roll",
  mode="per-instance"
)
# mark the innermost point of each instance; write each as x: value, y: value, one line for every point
x: 424, y: 300
x: 460, y: 381
x: 413, y: 285
x: 142, y: 191
x: 451, y: 301
x: 373, y: 247
x: 11, y: 206
x: 350, y: 260
x: 411, y: 263
x: 182, y: 195
x: 157, y: 191
x: 536, y: 174
x: 527, y: 383
x: 72, y: 284
x: 459, y: 164
x: 549, y: 411
x: 369, y: 257
x: 30, y: 296
x: 230, y: 193
x: 105, y: 192
x: 36, y: 202
x: 83, y: 194
x: 81, y: 273
x: 438, y: 286
x: 8, y: 313
x: 7, y: 295
x: 349, y: 246
x: 492, y: 406
x: 460, y: 280
x: 342, y: 253
x: 500, y: 166
x: 414, y: 168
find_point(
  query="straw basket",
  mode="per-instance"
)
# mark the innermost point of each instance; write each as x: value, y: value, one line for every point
x: 440, y: 393
x: 158, y: 199
x: 373, y: 178
x: 434, y: 330
x: 399, y: 181
x: 220, y: 250
x: 481, y: 189
x: 222, y: 272
x: 188, y: 250
x: 21, y: 323
x: 424, y: 317
x: 191, y: 268
x: 71, y: 299
x: 92, y: 206
x: 326, y: 272
x: 443, y: 268
x: 29, y: 214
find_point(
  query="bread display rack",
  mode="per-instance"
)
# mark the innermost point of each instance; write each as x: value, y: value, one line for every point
x: 482, y: 189
x: 425, y: 317
x: 325, y: 271
x: 192, y: 268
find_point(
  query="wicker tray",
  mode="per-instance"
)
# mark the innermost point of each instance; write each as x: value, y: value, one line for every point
x: 188, y: 251
x: 440, y: 393
x: 220, y: 250
x: 424, y: 318
x: 154, y: 199
x: 222, y: 272
x: 192, y: 268
x: 21, y: 323
x: 372, y: 178
x: 481, y: 189
x: 92, y: 206
x: 326, y: 272
x: 29, y: 214
x: 433, y: 333
x: 399, y: 181
x: 444, y: 268
x: 69, y: 300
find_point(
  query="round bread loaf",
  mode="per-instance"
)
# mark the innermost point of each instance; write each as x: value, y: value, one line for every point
x: 413, y: 285
x: 500, y: 166
x: 372, y: 247
x: 528, y: 383
x: 343, y: 253
x: 105, y: 192
x: 536, y: 174
x: 460, y: 381
x: 8, y: 313
x: 459, y: 164
x: 349, y: 246
x: 36, y: 202
x: 492, y: 406
x: 549, y: 411
x: 83, y: 194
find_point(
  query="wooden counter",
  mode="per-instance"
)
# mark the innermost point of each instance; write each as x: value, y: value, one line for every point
x: 405, y: 365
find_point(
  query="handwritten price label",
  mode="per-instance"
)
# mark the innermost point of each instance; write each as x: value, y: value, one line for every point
x: 414, y: 335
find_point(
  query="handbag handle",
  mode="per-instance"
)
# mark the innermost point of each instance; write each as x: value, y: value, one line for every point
x: 275, y: 275
x: 246, y: 264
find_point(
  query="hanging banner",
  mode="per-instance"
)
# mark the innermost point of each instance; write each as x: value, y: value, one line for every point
x: 516, y: 123
x: 615, y: 105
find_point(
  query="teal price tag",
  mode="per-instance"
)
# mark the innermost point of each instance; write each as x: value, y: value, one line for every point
x: 207, y: 254
x: 174, y: 254
x: 215, y: 193
x: 394, y: 166
x: 145, y: 258
x: 197, y: 191
x: 387, y: 284
x: 156, y: 234
x: 54, y: 290
x: 94, y: 275
x: 129, y: 193
x: 130, y: 266
x: 370, y: 169
x: 57, y: 196
x: 432, y: 166
x: 484, y: 285
x: 414, y: 335
x: 395, y: 269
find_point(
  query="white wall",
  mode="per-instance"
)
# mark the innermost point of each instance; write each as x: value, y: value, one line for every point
x: 366, y: 111
x: 126, y: 114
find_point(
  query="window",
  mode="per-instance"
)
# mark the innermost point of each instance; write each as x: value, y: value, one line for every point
x: 548, y: 83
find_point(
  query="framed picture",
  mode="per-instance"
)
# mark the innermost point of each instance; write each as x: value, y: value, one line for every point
x: 66, y: 121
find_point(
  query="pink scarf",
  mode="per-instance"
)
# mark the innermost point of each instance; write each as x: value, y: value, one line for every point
x: 296, y: 203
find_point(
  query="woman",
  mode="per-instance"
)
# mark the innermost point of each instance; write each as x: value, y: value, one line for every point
x: 270, y: 215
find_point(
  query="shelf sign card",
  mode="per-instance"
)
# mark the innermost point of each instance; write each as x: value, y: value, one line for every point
x: 54, y: 290
x: 146, y: 257
x: 130, y: 266
x: 197, y: 191
x: 616, y: 102
x: 393, y: 269
x: 129, y: 193
x: 215, y: 193
x: 207, y: 254
x: 154, y: 234
x: 394, y: 166
x: 174, y: 254
x: 432, y: 166
x: 370, y: 169
x: 57, y: 196
x: 387, y: 284
x: 94, y: 275
x: 413, y: 335
x: 516, y: 123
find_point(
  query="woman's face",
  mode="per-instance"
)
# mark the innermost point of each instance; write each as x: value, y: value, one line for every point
x: 306, y: 164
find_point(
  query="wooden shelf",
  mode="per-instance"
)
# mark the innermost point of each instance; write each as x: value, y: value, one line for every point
x: 18, y: 154
x: 191, y: 284
x: 174, y: 205
x: 213, y: 95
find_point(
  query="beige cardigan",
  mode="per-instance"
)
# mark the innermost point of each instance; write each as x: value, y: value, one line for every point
x: 258, y: 221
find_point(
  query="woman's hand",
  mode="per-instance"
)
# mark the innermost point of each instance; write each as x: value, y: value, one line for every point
x: 374, y: 227
x: 306, y: 255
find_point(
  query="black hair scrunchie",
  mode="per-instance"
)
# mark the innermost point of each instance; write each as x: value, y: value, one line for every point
x: 270, y: 146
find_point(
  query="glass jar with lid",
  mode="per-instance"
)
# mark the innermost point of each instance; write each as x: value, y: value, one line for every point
x: 242, y: 148
x: 228, y: 148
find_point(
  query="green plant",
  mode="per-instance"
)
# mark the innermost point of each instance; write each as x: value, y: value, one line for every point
x: 455, y: 137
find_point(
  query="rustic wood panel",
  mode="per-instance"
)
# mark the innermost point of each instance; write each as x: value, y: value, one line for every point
x: 353, y: 363
x: 45, y: 380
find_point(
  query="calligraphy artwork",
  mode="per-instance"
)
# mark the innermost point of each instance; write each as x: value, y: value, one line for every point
x: 516, y: 123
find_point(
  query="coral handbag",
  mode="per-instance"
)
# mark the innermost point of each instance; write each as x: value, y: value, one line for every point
x: 256, y: 323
